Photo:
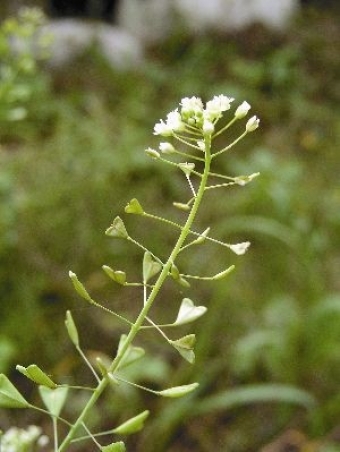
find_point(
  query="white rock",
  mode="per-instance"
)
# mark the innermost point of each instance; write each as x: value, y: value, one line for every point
x: 72, y: 37
x: 149, y: 20
x: 225, y: 15
x: 153, y: 20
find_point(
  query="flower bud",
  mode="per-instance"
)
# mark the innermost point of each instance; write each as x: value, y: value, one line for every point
x: 208, y: 127
x: 242, y: 110
x: 166, y: 148
x: 252, y: 124
x: 152, y: 153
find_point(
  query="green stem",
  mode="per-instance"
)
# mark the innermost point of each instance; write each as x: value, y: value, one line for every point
x: 134, y: 329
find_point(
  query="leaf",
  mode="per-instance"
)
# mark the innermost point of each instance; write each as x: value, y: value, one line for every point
x: 188, y: 312
x: 133, y: 425
x: 79, y: 287
x: 117, y: 229
x: 34, y: 373
x: 260, y: 393
x: 150, y: 267
x: 71, y: 328
x: 10, y: 397
x: 132, y: 354
x: 54, y: 399
x: 178, y: 391
x: 116, y: 275
x: 114, y: 447
x: 134, y: 207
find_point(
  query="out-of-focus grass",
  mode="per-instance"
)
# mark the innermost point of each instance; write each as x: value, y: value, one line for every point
x: 68, y: 172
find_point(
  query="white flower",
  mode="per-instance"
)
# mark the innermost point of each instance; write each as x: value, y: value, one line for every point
x: 161, y: 128
x: 208, y: 127
x: 217, y: 105
x: 201, y: 145
x: 252, y: 124
x: 174, y: 121
x: 240, y: 248
x: 242, y: 110
x: 191, y: 106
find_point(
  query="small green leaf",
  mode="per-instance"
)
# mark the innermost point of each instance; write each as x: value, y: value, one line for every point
x: 134, y: 207
x: 133, y: 425
x: 71, y: 328
x: 114, y: 447
x: 188, y: 312
x: 54, y: 399
x: 178, y: 391
x: 116, y: 275
x: 132, y: 354
x: 79, y: 287
x: 10, y: 397
x: 117, y: 229
x: 34, y: 373
x: 150, y: 266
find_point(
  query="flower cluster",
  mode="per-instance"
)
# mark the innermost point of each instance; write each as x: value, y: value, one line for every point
x: 192, y: 115
x: 20, y: 440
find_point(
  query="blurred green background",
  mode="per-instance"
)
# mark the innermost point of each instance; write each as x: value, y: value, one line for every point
x: 268, y: 352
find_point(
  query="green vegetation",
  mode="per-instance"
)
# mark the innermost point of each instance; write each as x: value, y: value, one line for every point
x: 268, y: 355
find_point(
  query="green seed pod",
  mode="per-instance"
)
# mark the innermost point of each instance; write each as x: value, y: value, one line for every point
x: 34, y: 373
x: 72, y: 329
x: 133, y: 425
x: 178, y: 391
x: 117, y: 229
x: 114, y: 447
x: 10, y: 397
x: 134, y: 207
x: 79, y: 287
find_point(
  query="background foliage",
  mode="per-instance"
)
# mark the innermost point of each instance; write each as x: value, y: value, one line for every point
x: 71, y: 163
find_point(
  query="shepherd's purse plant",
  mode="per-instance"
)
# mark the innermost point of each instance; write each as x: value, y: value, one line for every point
x: 189, y: 132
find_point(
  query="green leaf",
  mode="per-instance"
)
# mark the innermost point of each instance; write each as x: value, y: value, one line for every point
x: 116, y: 275
x: 250, y: 394
x: 79, y: 287
x: 10, y: 397
x: 34, y: 373
x: 178, y: 391
x: 150, y: 266
x: 117, y: 229
x: 114, y: 447
x: 133, y: 425
x: 71, y: 328
x: 132, y: 354
x: 54, y: 399
x: 188, y: 312
x: 134, y: 207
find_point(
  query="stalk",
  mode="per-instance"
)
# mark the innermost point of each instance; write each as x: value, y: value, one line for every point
x: 146, y: 308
